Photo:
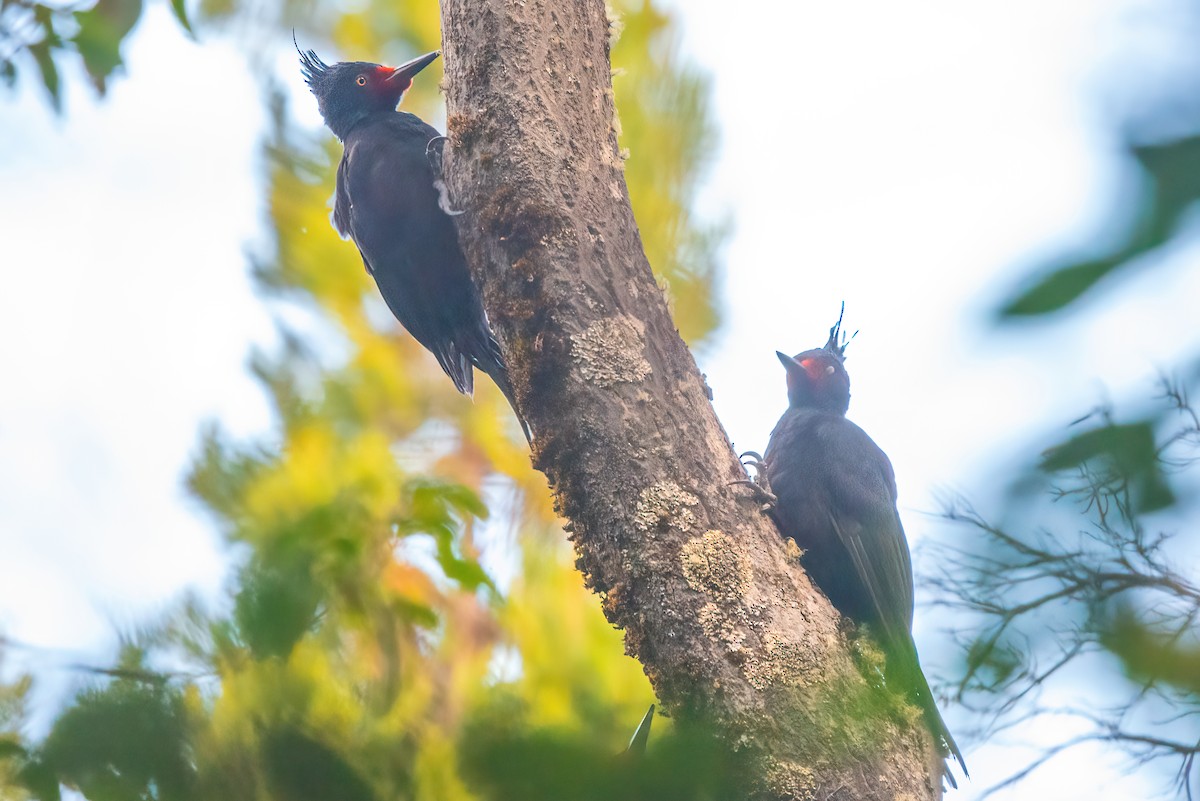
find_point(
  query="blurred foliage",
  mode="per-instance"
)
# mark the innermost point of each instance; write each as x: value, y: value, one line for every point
x: 404, y: 619
x: 126, y: 739
x: 1080, y: 604
x: 1120, y: 459
x: 1083, y: 576
x: 43, y: 37
x: 14, y: 710
x: 547, y: 765
x: 669, y: 110
x: 1168, y: 182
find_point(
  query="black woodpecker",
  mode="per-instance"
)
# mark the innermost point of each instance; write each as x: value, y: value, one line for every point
x: 388, y: 203
x: 835, y: 495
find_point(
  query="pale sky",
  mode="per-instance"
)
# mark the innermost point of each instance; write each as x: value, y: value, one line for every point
x: 911, y: 159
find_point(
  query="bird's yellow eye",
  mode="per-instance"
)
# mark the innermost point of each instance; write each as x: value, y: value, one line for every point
x: 829, y: 369
x: 361, y: 80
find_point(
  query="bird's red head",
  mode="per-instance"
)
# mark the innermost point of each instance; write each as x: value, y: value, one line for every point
x: 817, y: 378
x: 349, y: 91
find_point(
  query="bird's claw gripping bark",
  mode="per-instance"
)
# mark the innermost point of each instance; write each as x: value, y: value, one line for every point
x: 758, y: 482
x: 433, y: 152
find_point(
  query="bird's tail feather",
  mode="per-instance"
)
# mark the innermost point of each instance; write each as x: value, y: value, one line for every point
x: 923, y: 696
x: 457, y: 365
x: 493, y: 364
x: 483, y: 351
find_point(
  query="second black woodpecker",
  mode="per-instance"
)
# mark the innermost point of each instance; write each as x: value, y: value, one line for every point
x: 836, y: 497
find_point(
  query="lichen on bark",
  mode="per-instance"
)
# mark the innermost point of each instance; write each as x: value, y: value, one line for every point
x: 609, y: 352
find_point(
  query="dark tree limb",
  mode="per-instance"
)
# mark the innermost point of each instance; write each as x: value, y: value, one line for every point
x: 713, y: 605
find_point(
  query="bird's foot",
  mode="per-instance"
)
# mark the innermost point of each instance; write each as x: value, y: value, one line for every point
x: 758, y: 481
x: 433, y: 152
x: 444, y: 199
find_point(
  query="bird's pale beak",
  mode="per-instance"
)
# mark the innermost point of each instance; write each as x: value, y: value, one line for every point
x: 405, y: 72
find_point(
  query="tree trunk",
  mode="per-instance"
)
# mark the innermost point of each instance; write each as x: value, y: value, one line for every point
x: 715, y: 607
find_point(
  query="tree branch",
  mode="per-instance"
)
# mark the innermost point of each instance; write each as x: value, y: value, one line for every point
x: 721, y: 616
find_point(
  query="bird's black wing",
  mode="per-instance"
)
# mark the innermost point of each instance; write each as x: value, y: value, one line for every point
x: 341, y: 201
x: 862, y: 487
x: 409, y: 243
x: 342, y: 207
x: 388, y: 201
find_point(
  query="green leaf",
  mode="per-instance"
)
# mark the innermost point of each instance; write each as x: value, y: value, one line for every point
x: 40, y: 779
x: 1149, y: 655
x: 222, y: 470
x: 992, y: 664
x: 1060, y: 288
x: 126, y: 740
x: 465, y: 500
x: 1127, y: 451
x: 1174, y: 169
x: 277, y: 605
x: 180, y: 10
x: 45, y: 61
x: 102, y: 30
x: 10, y: 748
x: 1128, y: 442
x: 505, y: 760
x: 301, y: 768
x: 434, y: 500
x: 437, y: 508
x: 419, y: 614
x: 1171, y: 171
x: 467, y: 572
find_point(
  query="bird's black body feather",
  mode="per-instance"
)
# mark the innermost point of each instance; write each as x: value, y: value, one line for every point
x: 836, y: 497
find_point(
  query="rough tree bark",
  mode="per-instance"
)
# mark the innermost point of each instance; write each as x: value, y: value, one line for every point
x: 712, y: 603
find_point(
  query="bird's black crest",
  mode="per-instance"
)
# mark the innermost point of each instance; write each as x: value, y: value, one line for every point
x: 838, y: 348
x: 311, y: 66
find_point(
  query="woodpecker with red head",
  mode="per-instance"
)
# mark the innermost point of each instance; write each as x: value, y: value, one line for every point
x: 835, y: 495
x: 390, y: 202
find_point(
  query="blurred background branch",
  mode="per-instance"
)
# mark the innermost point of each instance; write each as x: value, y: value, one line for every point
x: 1076, y: 608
